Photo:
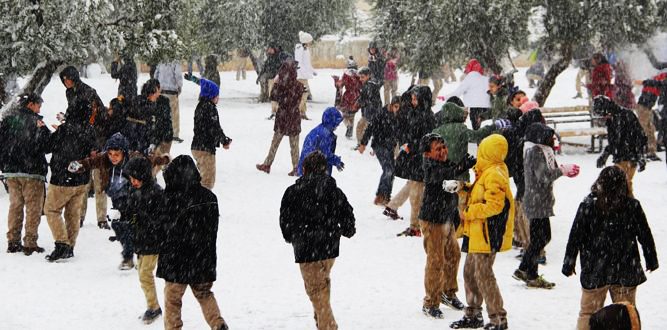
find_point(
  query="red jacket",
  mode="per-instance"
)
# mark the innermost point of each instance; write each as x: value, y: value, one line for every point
x: 352, y: 86
x: 601, y: 81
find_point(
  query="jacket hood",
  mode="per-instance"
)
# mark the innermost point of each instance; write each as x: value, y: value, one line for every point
x: 452, y: 113
x: 331, y: 118
x: 491, y: 151
x: 117, y: 141
x: 181, y: 173
x: 139, y: 168
x: 539, y: 133
x: 473, y: 65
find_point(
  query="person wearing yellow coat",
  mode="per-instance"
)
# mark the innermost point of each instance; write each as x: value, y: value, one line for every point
x: 488, y: 223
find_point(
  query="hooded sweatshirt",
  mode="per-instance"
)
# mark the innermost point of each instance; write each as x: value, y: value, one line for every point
x: 540, y: 172
x: 322, y: 138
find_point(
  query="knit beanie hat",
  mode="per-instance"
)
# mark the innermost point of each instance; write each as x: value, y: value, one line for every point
x: 530, y: 105
x: 305, y: 37
x: 208, y: 89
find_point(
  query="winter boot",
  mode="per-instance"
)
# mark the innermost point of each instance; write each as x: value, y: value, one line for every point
x: 127, y: 264
x: 520, y: 275
x: 540, y: 283
x: 452, y: 302
x: 223, y: 327
x: 391, y: 213
x: 103, y: 225
x: 14, y: 247
x: 491, y: 326
x: 410, y: 232
x: 151, y: 315
x: 474, y: 322
x: 177, y: 139
x: 263, y: 168
x: 62, y: 251
x: 433, y: 312
x: 293, y: 173
x: 348, y: 132
x: 653, y: 157
x: 542, y: 260
x: 29, y: 250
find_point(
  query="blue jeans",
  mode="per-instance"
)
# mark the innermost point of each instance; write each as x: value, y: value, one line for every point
x: 386, y: 158
x: 125, y: 235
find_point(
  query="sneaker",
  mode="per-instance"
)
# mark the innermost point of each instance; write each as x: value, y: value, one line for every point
x: 151, y: 315
x: 127, y: 264
x: 410, y: 232
x: 653, y: 158
x: 453, y: 302
x: 293, y: 173
x: 177, y: 139
x: 32, y: 249
x: 433, y: 312
x: 14, y: 247
x: 491, y: 326
x: 520, y: 275
x: 540, y: 283
x: 62, y: 251
x: 391, y: 213
x: 475, y: 322
x: 542, y: 260
x: 263, y: 168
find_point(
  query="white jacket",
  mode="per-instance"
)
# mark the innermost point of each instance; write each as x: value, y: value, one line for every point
x: 170, y: 77
x: 472, y: 91
x: 302, y: 55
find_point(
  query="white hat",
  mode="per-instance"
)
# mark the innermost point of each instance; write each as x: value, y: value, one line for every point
x: 305, y: 37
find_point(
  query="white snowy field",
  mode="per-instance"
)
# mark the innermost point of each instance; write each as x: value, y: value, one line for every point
x: 377, y: 282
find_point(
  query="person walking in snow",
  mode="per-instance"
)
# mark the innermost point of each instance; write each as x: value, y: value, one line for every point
x: 391, y: 75
x: 627, y: 142
x: 472, y: 91
x: 287, y: 91
x: 540, y: 171
x: 270, y: 71
x: 25, y: 141
x: 208, y: 135
x: 305, y: 70
x: 604, y: 235
x: 187, y: 252
x: 488, y: 221
x: 125, y: 70
x: 652, y: 91
x: 369, y: 101
x: 438, y: 220
x: 601, y: 75
x: 322, y: 138
x: 376, y: 63
x: 171, y: 83
x: 348, y: 88
x: 383, y: 129
x: 314, y: 214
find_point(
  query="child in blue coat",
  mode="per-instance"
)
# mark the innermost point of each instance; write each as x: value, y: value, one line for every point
x: 322, y: 138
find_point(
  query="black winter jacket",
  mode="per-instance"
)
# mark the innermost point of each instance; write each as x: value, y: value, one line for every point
x: 608, y: 246
x: 413, y: 124
x: 439, y: 206
x: 627, y: 141
x: 369, y: 100
x: 383, y: 128
x: 143, y: 213
x: 271, y: 66
x: 515, y: 140
x: 70, y: 142
x: 376, y: 64
x: 314, y: 214
x: 189, y: 216
x: 139, y: 124
x: 84, y: 105
x: 126, y: 73
x: 208, y: 133
x: 162, y: 129
x: 23, y: 144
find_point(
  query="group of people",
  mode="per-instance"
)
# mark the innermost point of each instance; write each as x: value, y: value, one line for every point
x: 174, y: 229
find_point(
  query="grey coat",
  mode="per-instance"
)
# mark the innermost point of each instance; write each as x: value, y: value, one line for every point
x: 538, y: 200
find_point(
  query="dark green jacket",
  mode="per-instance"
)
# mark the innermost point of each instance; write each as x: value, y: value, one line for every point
x: 457, y: 135
x: 499, y: 104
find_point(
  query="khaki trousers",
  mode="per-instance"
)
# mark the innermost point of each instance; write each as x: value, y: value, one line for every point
x: 449, y: 73
x: 390, y: 90
x: 361, y: 128
x: 593, y: 300
x: 275, y: 143
x: 646, y: 120
x: 175, y: 113
x: 173, y: 301
x: 29, y: 194
x: 146, y: 265
x: 162, y: 149
x: 415, y: 192
x: 318, y: 287
x: 206, y: 165
x: 274, y: 104
x: 629, y: 168
x: 442, y: 261
x: 304, y: 97
x: 522, y: 225
x: 240, y: 67
x: 481, y: 286
x: 69, y: 199
x: 581, y: 74
x: 100, y: 197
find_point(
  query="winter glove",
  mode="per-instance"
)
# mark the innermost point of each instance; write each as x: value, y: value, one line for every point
x: 502, y: 123
x: 602, y: 160
x: 452, y: 186
x: 641, y: 164
x: 74, y: 167
x: 569, y: 170
x: 568, y: 270
x: 340, y: 167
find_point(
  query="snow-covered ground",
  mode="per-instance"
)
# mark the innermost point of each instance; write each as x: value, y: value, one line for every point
x: 377, y: 282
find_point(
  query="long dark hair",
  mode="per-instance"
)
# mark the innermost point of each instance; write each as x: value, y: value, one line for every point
x: 611, y: 190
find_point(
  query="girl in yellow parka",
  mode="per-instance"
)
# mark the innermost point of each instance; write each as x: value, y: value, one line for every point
x: 488, y: 223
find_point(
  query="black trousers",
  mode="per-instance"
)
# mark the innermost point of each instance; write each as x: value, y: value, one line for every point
x: 540, y: 235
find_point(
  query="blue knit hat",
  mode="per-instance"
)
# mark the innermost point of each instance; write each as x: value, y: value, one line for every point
x: 209, y: 90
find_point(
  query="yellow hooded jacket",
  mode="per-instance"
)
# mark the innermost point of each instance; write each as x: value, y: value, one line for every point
x: 488, y: 220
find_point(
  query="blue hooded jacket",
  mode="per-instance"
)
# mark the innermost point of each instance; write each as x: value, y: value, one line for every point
x: 322, y: 138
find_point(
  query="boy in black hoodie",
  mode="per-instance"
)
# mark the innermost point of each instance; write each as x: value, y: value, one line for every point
x: 438, y: 219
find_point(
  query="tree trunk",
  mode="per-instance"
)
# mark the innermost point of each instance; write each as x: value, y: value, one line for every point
x: 39, y: 80
x: 3, y: 94
x: 555, y: 70
x: 264, y: 87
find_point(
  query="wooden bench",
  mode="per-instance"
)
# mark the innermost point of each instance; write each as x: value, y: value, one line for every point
x: 576, y: 114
